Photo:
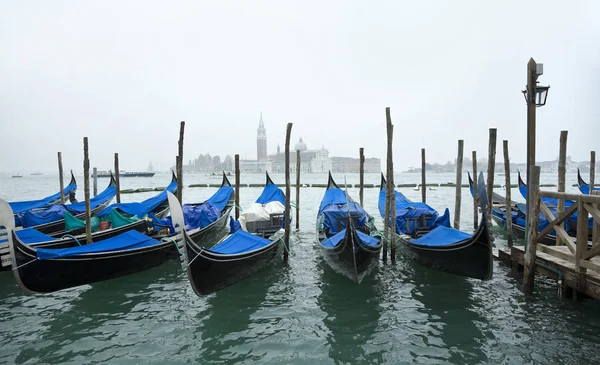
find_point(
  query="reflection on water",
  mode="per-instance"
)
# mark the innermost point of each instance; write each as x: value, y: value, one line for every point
x: 352, y: 315
x: 300, y: 313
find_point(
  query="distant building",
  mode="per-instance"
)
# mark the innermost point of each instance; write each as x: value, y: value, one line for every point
x: 316, y: 160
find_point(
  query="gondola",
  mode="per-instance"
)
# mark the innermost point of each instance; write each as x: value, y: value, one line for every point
x: 51, y: 221
x: 42, y: 270
x: 23, y: 206
x: 518, y: 214
x: 215, y: 265
x: 206, y: 222
x: 582, y: 185
x: 428, y: 238
x: 346, y: 233
x: 570, y: 225
x: 120, y: 217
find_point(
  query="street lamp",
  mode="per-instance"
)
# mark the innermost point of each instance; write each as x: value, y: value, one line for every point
x: 541, y: 94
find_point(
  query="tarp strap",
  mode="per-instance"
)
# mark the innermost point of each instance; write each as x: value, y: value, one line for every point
x: 240, y: 208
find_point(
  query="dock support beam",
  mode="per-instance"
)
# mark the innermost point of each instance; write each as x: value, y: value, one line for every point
x: 490, y: 171
x: 180, y: 167
x: 237, y: 186
x: 459, y: 163
x: 475, y: 194
x: 532, y: 231
x: 298, y: 168
x: 287, y: 216
x: 117, y: 178
x: 86, y: 191
x: 423, y: 181
x: 95, y: 180
x: 562, y: 171
x: 61, y: 181
x: 361, y: 171
x: 509, y: 229
x: 390, y: 201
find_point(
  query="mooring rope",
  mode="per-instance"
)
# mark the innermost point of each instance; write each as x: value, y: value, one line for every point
x: 25, y: 264
x: 70, y: 236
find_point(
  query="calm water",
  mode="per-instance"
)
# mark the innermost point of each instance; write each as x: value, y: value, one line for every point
x: 302, y: 313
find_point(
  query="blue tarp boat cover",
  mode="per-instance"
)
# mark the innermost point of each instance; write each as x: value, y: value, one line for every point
x: 141, y: 209
x: 220, y: 199
x: 406, y: 209
x: 99, y: 199
x: 32, y: 235
x: 332, y: 212
x: 125, y: 241
x: 364, y: 239
x: 55, y: 212
x: 271, y: 193
x: 441, y: 236
x: 18, y: 207
x: 240, y: 242
x: 194, y: 216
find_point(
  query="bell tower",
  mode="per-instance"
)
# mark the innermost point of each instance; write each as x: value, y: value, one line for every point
x: 261, y: 140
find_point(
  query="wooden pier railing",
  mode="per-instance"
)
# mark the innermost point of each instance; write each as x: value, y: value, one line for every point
x: 578, y: 250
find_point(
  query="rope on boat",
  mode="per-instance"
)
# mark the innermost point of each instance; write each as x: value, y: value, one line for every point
x: 25, y: 264
x: 238, y: 207
x: 285, y: 247
x: 385, y: 239
x: 69, y: 236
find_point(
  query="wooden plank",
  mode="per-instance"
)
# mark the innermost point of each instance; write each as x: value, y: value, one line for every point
x: 557, y: 252
x: 590, y: 265
x: 556, y: 222
x: 593, y: 211
x: 595, y: 250
x: 594, y: 199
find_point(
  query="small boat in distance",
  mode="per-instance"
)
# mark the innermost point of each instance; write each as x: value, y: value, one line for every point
x: 123, y: 173
x: 17, y: 176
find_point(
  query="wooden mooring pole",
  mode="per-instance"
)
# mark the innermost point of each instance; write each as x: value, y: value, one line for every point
x: 423, y: 182
x: 562, y: 171
x: 508, y: 210
x: 287, y: 216
x: 180, y: 167
x: 298, y: 168
x: 490, y: 171
x: 531, y: 81
x: 532, y: 231
x: 459, y: 163
x: 361, y: 171
x: 390, y: 201
x: 237, y: 185
x: 86, y: 191
x: 592, y: 184
x: 117, y: 178
x: 61, y: 181
x: 95, y: 180
x: 475, y: 194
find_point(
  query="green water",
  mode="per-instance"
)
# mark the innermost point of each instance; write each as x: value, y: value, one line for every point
x: 302, y: 313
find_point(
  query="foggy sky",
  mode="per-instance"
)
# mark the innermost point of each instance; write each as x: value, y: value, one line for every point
x: 126, y: 73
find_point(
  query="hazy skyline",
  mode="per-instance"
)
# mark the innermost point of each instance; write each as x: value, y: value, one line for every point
x: 126, y: 73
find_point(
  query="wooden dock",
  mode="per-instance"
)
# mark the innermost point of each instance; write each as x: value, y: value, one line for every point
x: 556, y: 262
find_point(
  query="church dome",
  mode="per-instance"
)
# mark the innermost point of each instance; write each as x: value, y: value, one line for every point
x: 300, y: 146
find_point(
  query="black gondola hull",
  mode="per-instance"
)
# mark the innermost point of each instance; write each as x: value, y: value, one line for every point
x: 210, y: 272
x: 471, y: 258
x: 45, y: 276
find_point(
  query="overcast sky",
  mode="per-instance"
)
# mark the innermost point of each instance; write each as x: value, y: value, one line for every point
x: 125, y: 73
